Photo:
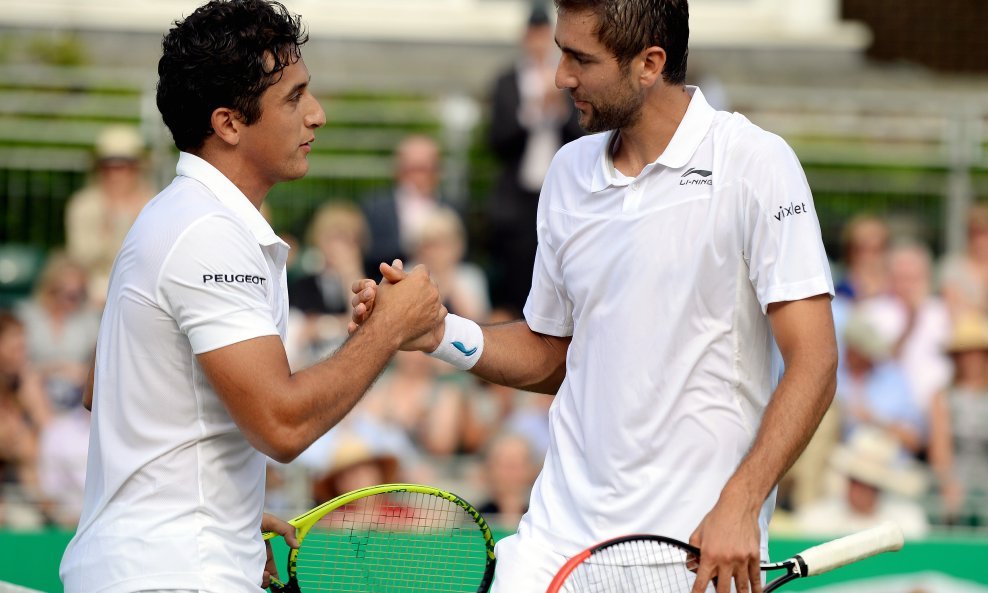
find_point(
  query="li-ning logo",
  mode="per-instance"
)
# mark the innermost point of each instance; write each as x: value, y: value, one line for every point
x: 791, y: 210
x: 702, y: 179
x: 459, y: 346
x: 233, y: 278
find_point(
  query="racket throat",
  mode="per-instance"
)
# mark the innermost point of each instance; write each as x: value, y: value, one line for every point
x: 799, y: 566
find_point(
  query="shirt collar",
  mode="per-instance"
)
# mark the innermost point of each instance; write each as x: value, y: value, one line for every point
x: 690, y: 133
x: 189, y: 165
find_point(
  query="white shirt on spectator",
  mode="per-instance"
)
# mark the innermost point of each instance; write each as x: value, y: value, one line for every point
x: 923, y: 354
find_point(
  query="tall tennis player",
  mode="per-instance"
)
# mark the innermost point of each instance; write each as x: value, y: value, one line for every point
x: 676, y: 245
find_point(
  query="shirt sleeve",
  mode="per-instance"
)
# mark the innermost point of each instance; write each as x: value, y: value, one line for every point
x: 548, y: 309
x: 783, y: 246
x: 215, y: 284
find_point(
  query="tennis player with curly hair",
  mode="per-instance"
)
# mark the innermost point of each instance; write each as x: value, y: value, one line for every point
x: 191, y: 389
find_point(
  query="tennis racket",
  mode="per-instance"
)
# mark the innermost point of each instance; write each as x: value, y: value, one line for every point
x: 656, y: 564
x: 394, y: 537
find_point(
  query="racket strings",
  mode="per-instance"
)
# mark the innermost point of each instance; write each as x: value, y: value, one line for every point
x: 406, y: 542
x: 635, y: 566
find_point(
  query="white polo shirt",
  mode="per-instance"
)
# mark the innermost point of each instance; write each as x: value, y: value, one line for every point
x: 174, y: 491
x: 663, y: 282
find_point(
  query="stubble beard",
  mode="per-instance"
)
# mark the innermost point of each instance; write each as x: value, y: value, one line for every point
x: 622, y: 112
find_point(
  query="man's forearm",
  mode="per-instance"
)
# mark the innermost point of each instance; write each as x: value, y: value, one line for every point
x: 798, y: 405
x: 517, y: 357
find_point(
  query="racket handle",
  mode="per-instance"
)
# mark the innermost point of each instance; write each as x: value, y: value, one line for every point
x: 886, y: 537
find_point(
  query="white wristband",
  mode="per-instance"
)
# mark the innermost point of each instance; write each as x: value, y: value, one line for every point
x: 462, y: 345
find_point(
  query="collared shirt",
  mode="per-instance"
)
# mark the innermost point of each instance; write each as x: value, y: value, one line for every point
x: 174, y: 491
x: 663, y: 281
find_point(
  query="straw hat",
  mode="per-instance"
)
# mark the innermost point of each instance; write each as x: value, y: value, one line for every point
x: 350, y: 452
x: 865, y: 336
x: 873, y: 456
x: 970, y: 333
x: 119, y: 143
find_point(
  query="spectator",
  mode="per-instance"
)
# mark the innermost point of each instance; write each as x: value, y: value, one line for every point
x: 61, y: 330
x: 864, y: 244
x: 98, y: 216
x: 353, y: 464
x: 510, y: 468
x: 530, y: 120
x: 367, y: 424
x: 880, y: 485
x: 320, y: 298
x: 18, y: 377
x: 24, y: 409
x: 410, y: 396
x: 959, y: 426
x: 916, y: 319
x: 872, y: 388
x: 395, y: 216
x: 964, y: 276
x: 441, y: 246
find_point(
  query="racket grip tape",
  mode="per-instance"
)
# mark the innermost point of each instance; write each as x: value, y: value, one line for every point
x: 825, y: 557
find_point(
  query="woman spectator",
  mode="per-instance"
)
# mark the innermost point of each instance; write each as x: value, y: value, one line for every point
x: 320, y: 299
x: 964, y: 276
x: 916, y: 319
x: 510, y: 470
x: 353, y: 463
x: 61, y: 330
x: 959, y: 426
x: 441, y: 246
x: 865, y: 243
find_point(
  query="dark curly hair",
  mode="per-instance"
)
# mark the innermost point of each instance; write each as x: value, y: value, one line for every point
x: 225, y: 54
x: 626, y: 27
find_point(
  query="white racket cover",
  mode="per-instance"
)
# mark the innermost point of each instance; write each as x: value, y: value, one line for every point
x: 886, y: 537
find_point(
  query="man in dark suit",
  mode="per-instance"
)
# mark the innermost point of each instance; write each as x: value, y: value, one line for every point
x: 395, y: 215
x: 530, y: 120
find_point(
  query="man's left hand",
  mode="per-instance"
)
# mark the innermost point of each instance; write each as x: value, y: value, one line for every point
x: 730, y: 546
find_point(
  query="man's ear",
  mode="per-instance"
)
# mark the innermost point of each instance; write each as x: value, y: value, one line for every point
x: 653, y: 62
x: 226, y: 125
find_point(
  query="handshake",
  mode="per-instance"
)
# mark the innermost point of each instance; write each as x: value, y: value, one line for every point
x: 409, y: 306
x: 406, y: 304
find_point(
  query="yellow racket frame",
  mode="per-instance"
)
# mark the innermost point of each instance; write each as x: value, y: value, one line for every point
x: 304, y: 522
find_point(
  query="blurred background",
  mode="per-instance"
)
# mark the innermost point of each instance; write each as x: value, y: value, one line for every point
x: 434, y: 107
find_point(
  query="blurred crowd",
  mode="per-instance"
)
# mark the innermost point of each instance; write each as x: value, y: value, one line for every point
x: 906, y: 438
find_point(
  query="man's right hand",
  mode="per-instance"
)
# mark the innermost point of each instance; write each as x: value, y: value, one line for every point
x: 370, y: 296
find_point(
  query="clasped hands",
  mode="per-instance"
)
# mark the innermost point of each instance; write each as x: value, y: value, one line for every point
x: 410, y: 301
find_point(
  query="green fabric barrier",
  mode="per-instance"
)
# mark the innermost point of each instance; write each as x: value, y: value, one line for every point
x: 30, y: 559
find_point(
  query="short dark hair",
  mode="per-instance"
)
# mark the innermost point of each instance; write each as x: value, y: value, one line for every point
x: 626, y: 27
x: 225, y: 54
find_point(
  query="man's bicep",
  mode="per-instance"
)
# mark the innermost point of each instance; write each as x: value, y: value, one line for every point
x: 245, y: 375
x: 804, y: 327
